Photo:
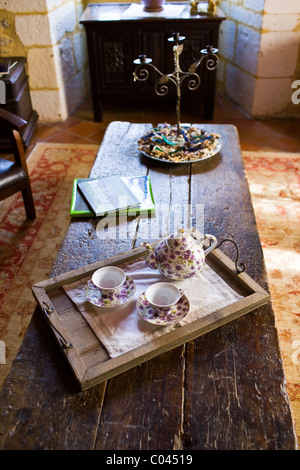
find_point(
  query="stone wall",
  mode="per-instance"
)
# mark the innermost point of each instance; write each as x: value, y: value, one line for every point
x: 48, y: 34
x: 259, y: 49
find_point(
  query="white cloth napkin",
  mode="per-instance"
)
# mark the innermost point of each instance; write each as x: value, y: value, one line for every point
x: 122, y: 329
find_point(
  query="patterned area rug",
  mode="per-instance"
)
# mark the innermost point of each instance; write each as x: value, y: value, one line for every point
x: 274, y: 181
x: 28, y: 249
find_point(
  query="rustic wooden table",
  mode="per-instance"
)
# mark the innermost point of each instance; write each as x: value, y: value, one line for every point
x: 223, y: 390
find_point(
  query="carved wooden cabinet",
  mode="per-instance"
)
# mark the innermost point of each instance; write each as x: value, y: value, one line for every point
x: 115, y: 37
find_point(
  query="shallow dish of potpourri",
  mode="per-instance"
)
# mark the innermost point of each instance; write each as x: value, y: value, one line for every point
x: 190, y: 144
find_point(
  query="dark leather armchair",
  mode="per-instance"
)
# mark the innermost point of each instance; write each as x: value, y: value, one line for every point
x: 14, y: 175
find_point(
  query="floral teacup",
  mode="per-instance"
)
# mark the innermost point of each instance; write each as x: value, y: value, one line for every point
x: 109, y: 280
x: 162, y: 296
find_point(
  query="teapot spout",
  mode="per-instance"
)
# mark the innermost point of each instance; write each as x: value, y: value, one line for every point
x: 150, y: 256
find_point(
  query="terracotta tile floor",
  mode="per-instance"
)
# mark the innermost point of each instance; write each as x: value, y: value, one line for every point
x: 280, y: 135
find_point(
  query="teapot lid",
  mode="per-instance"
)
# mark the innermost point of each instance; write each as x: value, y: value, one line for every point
x: 180, y: 241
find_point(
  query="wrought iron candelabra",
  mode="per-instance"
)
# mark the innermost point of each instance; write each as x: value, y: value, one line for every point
x: 177, y: 77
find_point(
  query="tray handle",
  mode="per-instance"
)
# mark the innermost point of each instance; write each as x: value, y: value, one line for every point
x: 48, y: 310
x: 241, y: 267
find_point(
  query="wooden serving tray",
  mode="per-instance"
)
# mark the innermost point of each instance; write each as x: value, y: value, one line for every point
x: 88, y: 358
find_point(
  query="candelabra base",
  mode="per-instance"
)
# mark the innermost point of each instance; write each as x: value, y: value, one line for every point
x: 190, y: 144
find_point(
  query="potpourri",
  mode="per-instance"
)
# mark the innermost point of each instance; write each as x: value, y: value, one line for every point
x: 191, y: 144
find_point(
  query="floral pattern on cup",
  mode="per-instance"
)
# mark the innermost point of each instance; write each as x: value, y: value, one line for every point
x: 96, y: 297
x: 164, y: 316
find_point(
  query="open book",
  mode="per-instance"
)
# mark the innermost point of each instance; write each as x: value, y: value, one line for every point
x: 140, y: 202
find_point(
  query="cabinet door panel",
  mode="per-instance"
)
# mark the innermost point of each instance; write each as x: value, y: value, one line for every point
x: 152, y: 44
x: 115, y: 59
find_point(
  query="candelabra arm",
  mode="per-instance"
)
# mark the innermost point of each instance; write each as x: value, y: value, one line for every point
x: 212, y: 61
x: 142, y: 74
x: 162, y: 85
x: 209, y: 54
x: 193, y: 80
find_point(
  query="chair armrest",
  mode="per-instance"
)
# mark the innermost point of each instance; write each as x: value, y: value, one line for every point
x: 13, y: 121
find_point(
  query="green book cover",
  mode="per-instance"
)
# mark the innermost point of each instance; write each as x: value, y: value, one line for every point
x: 140, y: 186
x: 79, y: 207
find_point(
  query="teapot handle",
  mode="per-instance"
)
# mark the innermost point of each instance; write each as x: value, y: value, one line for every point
x: 212, y: 245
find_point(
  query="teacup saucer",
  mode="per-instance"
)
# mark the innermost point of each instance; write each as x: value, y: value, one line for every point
x: 177, y: 313
x: 94, y: 294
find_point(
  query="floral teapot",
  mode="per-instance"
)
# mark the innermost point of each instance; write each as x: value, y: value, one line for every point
x: 178, y: 257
